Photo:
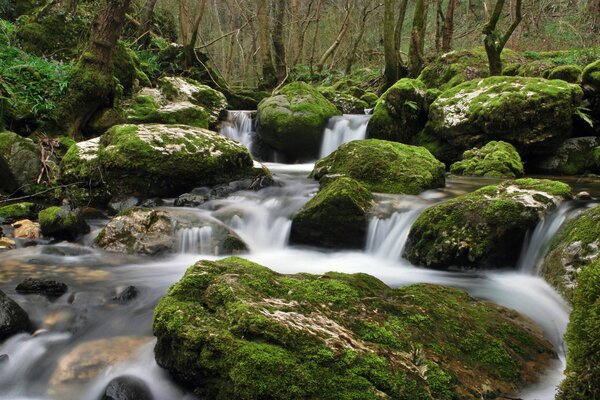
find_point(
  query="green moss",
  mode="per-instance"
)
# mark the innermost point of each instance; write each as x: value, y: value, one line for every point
x: 19, y: 164
x: 58, y: 35
x: 128, y: 69
x: 535, y: 115
x: 293, y: 120
x: 346, y: 103
x: 18, y: 211
x: 583, y: 339
x: 145, y: 109
x: 401, y: 112
x: 235, y: 329
x: 62, y: 223
x: 370, y: 98
x: 568, y: 73
x: 483, y: 229
x: 335, y: 217
x: 495, y: 159
x: 383, y: 166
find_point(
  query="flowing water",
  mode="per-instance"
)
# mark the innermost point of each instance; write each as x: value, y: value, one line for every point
x: 343, y: 129
x: 88, y: 313
x: 240, y: 127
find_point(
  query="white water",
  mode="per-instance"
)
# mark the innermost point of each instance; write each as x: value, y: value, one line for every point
x: 197, y: 240
x: 240, y: 127
x: 262, y: 219
x: 343, y: 129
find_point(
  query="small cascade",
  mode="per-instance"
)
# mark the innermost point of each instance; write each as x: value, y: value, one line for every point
x: 537, y: 244
x: 343, y: 129
x: 386, y: 237
x: 196, y: 240
x: 262, y: 230
x: 240, y: 127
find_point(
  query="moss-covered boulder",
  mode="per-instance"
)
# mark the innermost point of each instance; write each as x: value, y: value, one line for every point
x: 81, y: 171
x: 146, y: 109
x: 383, y: 166
x: 58, y: 34
x: 176, y: 89
x: 568, y: 73
x: 337, y: 217
x: 483, y: 229
x: 155, y: 160
x: 495, y: 159
x: 346, y: 103
x: 573, y: 157
x: 232, y: 329
x: 17, y: 211
x: 128, y: 69
x: 535, y: 115
x: 401, y: 112
x: 590, y: 82
x: 62, y: 223
x: 574, y: 248
x: 293, y: 120
x: 453, y: 68
x: 583, y: 339
x: 20, y: 163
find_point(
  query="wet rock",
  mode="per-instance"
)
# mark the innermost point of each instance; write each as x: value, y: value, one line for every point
x: 27, y: 229
x: 13, y: 319
x: 199, y: 196
x: 6, y: 243
x: 138, y: 231
x: 47, y: 287
x: 232, y: 329
x: 62, y: 223
x: 127, y: 294
x: 336, y: 217
x: 89, y: 359
x: 573, y: 157
x: 19, y: 163
x: 583, y: 196
x: 65, y: 251
x: 383, y: 166
x: 127, y: 387
x: 206, y: 235
x: 483, y: 229
x: 121, y: 203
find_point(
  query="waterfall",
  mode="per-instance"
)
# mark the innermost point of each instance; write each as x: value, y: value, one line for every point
x: 386, y: 237
x: 343, y: 129
x: 537, y: 244
x: 240, y: 127
x: 196, y: 240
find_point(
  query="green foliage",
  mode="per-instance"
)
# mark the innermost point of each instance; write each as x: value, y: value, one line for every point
x: 581, y: 57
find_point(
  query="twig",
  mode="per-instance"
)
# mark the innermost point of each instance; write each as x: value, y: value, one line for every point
x: 9, y: 200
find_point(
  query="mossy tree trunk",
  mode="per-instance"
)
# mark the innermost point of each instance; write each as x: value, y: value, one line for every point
x: 494, y: 41
x: 416, y: 57
x: 91, y: 84
x: 391, y: 72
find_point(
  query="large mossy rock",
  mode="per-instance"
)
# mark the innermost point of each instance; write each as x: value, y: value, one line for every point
x: 574, y: 156
x: 293, y: 120
x: 383, y: 166
x: 483, y: 229
x: 453, y: 68
x: 62, y: 223
x: 13, y: 319
x: 535, y: 115
x: 574, y: 248
x: 232, y: 329
x: 583, y: 339
x: 568, y: 73
x: 495, y: 159
x: 17, y: 211
x: 337, y: 217
x: 590, y: 81
x: 401, y: 112
x: 19, y: 163
x: 145, y: 108
x: 153, y: 160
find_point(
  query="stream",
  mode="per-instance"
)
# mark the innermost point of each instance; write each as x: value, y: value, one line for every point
x: 87, y: 312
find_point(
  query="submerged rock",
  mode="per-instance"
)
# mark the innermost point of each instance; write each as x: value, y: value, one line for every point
x: 483, y: 229
x: 583, y: 339
x: 535, y: 115
x: 574, y: 248
x: 13, y: 319
x: 127, y: 294
x: 495, y: 159
x: 383, y: 166
x: 19, y: 163
x: 127, y: 387
x: 235, y: 329
x: 47, y: 287
x: 401, y: 112
x: 138, y: 231
x: 62, y: 223
x: 293, y: 120
x: 336, y: 217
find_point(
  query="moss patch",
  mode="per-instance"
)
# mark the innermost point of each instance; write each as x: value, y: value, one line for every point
x: 495, y: 159
x: 13, y: 212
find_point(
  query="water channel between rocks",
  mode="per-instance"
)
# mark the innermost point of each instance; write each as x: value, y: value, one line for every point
x: 262, y: 219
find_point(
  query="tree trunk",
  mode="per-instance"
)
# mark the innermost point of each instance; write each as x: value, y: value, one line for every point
x: 439, y: 23
x: 146, y: 22
x: 448, y: 30
x: 332, y: 49
x: 416, y: 57
x: 190, y: 54
x: 184, y: 22
x: 294, y: 36
x: 494, y: 41
x: 316, y: 33
x: 278, y: 45
x: 359, y: 36
x: 391, y: 72
x: 91, y: 83
x: 399, y: 27
x: 269, y: 78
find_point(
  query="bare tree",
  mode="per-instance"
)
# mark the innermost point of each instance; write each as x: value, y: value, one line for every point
x: 448, y: 27
x: 494, y: 41
x: 269, y: 77
x: 416, y: 57
x: 144, y: 28
x: 391, y: 72
x: 278, y: 44
x: 334, y: 46
x: 366, y: 10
